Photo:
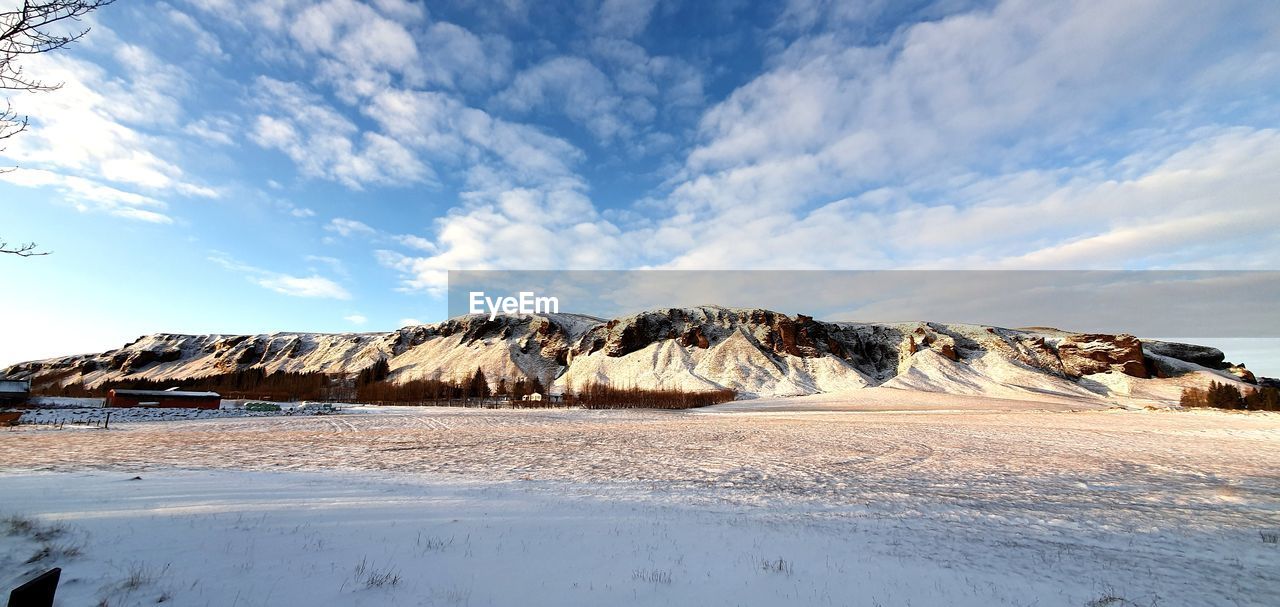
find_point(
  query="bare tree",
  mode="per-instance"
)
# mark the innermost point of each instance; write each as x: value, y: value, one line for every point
x: 37, y: 27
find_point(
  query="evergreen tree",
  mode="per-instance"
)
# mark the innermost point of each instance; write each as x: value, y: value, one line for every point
x: 1263, y: 399
x: 479, y: 387
x: 1194, y: 397
x: 1224, y: 396
x: 378, y: 371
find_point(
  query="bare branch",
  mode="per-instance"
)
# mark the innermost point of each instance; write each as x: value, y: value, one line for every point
x: 28, y: 249
x: 33, y: 29
x: 11, y: 123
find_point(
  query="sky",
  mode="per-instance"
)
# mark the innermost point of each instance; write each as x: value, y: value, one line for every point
x: 211, y: 166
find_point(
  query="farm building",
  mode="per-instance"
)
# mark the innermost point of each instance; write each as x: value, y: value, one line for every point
x: 163, y: 398
x: 14, y: 392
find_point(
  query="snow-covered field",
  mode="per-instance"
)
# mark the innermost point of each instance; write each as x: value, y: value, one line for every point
x: 811, y: 501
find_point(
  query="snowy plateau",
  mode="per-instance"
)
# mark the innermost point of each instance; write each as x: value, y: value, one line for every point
x: 757, y: 353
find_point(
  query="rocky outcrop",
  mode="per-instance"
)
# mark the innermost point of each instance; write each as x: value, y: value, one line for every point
x: 925, y: 337
x: 1204, y: 356
x: 141, y: 358
x: 1242, y: 373
x: 1089, y: 353
x: 700, y: 327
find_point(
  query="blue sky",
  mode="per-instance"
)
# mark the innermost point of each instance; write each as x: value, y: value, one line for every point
x: 213, y: 166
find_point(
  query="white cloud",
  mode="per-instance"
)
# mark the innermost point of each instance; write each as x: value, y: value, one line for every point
x: 218, y: 130
x: 545, y: 228
x: 205, y: 42
x: 1170, y: 214
x: 410, y: 322
x: 574, y: 86
x: 861, y: 17
x: 442, y: 126
x: 403, y: 10
x: 618, y: 98
x: 355, y: 34
x: 356, y: 48
x: 333, y: 263
x: 89, y: 195
x: 897, y: 155
x: 670, y: 81
x: 347, y: 227
x: 494, y: 157
x: 884, y: 149
x: 150, y: 91
x: 309, y: 286
x: 624, y: 18
x: 90, y: 127
x: 356, y: 319
x: 323, y: 143
x: 455, y: 57
x: 415, y: 242
x: 941, y: 96
x: 313, y: 286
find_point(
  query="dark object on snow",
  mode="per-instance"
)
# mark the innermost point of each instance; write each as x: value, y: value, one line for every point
x: 38, y: 592
x: 136, y: 478
x: 260, y: 406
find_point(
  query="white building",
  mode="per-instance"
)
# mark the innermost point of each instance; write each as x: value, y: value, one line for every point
x: 14, y: 392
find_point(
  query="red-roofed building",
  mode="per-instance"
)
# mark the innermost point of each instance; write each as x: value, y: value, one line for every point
x: 164, y: 398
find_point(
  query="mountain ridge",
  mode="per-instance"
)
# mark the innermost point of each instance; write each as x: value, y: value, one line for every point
x: 754, y: 351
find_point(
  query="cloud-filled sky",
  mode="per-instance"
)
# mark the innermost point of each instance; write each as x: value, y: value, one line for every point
x: 222, y: 166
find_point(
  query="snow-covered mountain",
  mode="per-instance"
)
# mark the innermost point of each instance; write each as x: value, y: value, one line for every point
x: 756, y: 352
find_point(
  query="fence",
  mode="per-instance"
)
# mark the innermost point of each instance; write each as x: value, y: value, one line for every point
x: 102, y: 421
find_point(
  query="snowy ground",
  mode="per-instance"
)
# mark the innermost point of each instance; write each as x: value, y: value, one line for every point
x: 742, y: 504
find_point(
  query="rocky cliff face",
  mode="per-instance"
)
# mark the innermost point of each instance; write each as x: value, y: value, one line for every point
x: 1090, y: 353
x: 754, y: 351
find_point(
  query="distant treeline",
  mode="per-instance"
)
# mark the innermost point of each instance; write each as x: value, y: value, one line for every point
x: 601, y: 396
x: 1227, y: 396
x: 372, y: 385
x: 246, y: 383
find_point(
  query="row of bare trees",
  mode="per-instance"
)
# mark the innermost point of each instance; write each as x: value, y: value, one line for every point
x: 253, y: 384
x: 603, y: 396
x: 476, y: 389
x: 373, y: 385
